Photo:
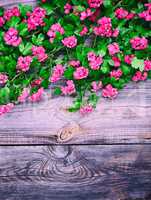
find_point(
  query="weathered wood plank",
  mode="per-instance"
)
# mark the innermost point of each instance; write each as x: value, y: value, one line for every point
x: 75, y: 172
x: 11, y: 3
x: 124, y: 120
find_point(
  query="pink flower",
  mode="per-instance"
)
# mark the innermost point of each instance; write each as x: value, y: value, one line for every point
x: 23, y: 63
x: 139, y: 76
x: 105, y: 27
x: 129, y: 58
x: 116, y: 74
x: 74, y: 63
x: 109, y: 91
x: 8, y: 14
x: 70, y: 42
x: 57, y: 73
x: 11, y: 37
x: 94, y: 60
x: 69, y: 89
x: 96, y: 86
x: 130, y: 16
x: 95, y: 3
x: 25, y: 93
x: 85, y: 14
x: 115, y: 32
x: 116, y: 61
x: 84, y: 31
x: 2, y: 21
x: 3, y: 78
x: 57, y: 28
x: 40, y: 53
x: 113, y: 48
x: 36, y: 96
x: 146, y: 15
x: 86, y: 109
x: 67, y: 8
x: 139, y: 43
x: 36, y: 18
x: 6, y: 108
x: 120, y: 13
x: 36, y: 82
x: 81, y: 73
x: 147, y: 65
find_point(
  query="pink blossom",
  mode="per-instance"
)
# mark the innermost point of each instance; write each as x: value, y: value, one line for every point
x: 95, y: 3
x: 25, y: 93
x: 23, y: 63
x: 11, y: 37
x: 146, y: 15
x: 57, y: 73
x: 8, y: 14
x: 36, y: 18
x: 115, y: 32
x: 67, y: 8
x: 129, y: 58
x: 113, y: 48
x: 74, y: 63
x: 69, y: 89
x: 147, y: 65
x: 81, y: 73
x: 39, y: 51
x: 91, y: 56
x: 139, y: 43
x: 86, y: 109
x: 116, y: 61
x: 3, y: 78
x: 36, y: 82
x: 6, y: 108
x: 36, y: 96
x: 85, y: 14
x: 95, y: 65
x: 139, y: 76
x: 70, y: 42
x: 2, y: 21
x: 130, y: 16
x: 109, y: 91
x: 84, y: 31
x: 105, y: 27
x: 57, y: 28
x: 120, y: 13
x: 116, y: 74
x: 96, y: 86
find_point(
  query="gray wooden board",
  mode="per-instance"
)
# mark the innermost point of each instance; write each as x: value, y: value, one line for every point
x: 95, y: 172
x: 126, y: 119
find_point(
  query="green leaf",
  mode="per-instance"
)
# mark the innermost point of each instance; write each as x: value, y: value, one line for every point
x: 68, y: 74
x: 76, y: 105
x: 4, y: 95
x: 93, y: 99
x: 125, y: 69
x: 48, y: 7
x: 13, y: 22
x: 25, y: 49
x: 23, y: 29
x: 24, y: 9
x: 138, y: 64
x: 107, y: 3
x: 57, y: 91
x: 38, y: 40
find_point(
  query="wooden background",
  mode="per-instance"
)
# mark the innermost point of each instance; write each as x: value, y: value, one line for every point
x: 47, y: 153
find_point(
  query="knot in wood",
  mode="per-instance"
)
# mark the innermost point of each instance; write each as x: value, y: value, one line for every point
x: 67, y: 132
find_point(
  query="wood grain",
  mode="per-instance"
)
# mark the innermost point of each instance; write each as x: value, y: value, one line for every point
x: 126, y: 119
x: 11, y: 3
x: 75, y: 172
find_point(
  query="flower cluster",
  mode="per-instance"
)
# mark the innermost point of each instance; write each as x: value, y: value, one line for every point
x: 35, y: 18
x: 23, y: 63
x: 94, y: 61
x: 11, y: 37
x: 87, y: 49
x: 104, y: 28
x: 39, y: 52
x: 52, y: 31
x: 57, y: 73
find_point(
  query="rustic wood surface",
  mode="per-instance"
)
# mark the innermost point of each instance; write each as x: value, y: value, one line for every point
x: 95, y: 172
x: 11, y: 3
x: 126, y: 119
